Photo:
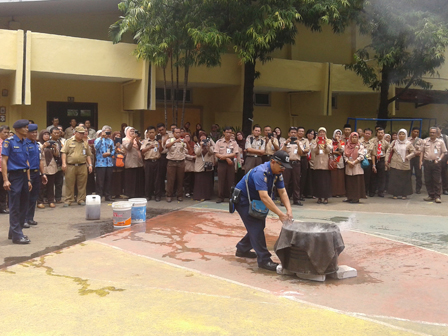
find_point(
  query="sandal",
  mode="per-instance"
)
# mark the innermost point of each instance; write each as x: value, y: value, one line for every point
x: 395, y: 197
x: 325, y: 201
x: 319, y: 201
x: 41, y: 206
x: 404, y: 198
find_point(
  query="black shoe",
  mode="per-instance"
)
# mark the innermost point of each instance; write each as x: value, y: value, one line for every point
x: 25, y: 226
x: 281, y: 203
x: 248, y: 254
x: 380, y: 195
x: 31, y: 222
x: 220, y: 200
x: 371, y: 195
x: 4, y: 211
x: 108, y: 199
x: 157, y: 199
x: 302, y: 199
x: 445, y: 192
x: 270, y: 266
x: 418, y: 192
x: 298, y: 203
x: 22, y: 240
x: 10, y: 237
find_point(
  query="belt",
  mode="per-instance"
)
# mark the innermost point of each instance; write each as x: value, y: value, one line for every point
x: 151, y: 160
x: 431, y: 160
x: 294, y: 161
x: 17, y: 171
x: 34, y: 170
x: 176, y: 160
x: 76, y: 164
x: 252, y: 156
x: 222, y: 161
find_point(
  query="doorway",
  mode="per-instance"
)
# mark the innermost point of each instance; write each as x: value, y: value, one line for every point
x: 67, y: 111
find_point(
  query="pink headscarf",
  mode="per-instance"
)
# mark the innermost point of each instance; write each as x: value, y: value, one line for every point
x: 351, y: 149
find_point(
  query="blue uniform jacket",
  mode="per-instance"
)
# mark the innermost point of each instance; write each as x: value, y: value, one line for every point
x: 260, y: 178
x: 33, y: 154
x: 17, y: 152
x: 102, y: 145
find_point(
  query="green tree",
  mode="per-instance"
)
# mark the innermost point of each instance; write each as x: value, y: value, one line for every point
x: 408, y: 41
x: 178, y: 33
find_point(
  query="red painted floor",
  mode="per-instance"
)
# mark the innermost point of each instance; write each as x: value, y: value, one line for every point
x: 394, y: 279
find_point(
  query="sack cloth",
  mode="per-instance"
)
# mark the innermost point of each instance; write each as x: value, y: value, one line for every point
x: 321, y: 242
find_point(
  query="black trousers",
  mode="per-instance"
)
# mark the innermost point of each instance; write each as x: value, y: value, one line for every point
x: 415, y: 167
x: 103, y: 180
x: 226, y: 179
x: 433, y: 178
x: 292, y: 180
x: 3, y: 194
x: 378, y: 179
x: 162, y: 172
x: 189, y: 182
x: 303, y: 174
x: 368, y: 177
x: 18, y: 202
x: 58, y: 183
x: 34, y: 195
x: 152, y: 178
x: 47, y: 190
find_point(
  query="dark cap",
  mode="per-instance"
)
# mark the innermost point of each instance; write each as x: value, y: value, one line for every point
x: 21, y: 123
x: 32, y: 127
x: 283, y: 158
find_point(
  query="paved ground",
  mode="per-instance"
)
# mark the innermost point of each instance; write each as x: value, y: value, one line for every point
x: 177, y: 274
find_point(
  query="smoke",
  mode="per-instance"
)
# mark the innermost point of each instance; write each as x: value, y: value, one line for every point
x: 348, y: 224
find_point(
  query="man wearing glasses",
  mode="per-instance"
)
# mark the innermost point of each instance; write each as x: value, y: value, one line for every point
x: 260, y: 182
x: 104, y: 151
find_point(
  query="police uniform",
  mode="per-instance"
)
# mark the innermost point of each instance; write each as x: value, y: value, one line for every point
x: 260, y: 178
x: 292, y: 176
x: 17, y: 167
x: 151, y: 161
x: 76, y: 158
x: 253, y: 160
x: 34, y: 162
x: 226, y: 171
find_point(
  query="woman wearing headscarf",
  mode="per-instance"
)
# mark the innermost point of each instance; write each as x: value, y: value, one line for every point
x: 398, y: 158
x: 354, y: 174
x: 196, y: 132
x: 308, y: 192
x: 203, y: 178
x: 338, y: 174
x: 321, y: 148
x: 49, y: 153
x: 133, y: 165
x: 190, y: 158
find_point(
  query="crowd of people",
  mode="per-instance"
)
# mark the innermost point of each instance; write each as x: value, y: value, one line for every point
x: 179, y: 162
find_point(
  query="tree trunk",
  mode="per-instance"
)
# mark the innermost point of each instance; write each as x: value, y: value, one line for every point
x: 176, y: 101
x: 172, y: 90
x: 184, y: 98
x: 248, y: 102
x: 383, y: 111
x: 164, y: 96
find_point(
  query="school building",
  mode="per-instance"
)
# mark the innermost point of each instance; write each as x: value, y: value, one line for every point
x: 56, y: 59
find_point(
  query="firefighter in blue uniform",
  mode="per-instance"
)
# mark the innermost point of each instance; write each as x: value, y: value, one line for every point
x: 36, y: 173
x: 16, y: 180
x: 260, y: 184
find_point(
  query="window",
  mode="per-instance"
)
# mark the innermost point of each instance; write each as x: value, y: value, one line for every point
x: 334, y: 102
x: 262, y: 99
x: 180, y: 94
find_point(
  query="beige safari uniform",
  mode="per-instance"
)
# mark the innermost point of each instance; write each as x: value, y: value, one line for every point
x: 76, y: 158
x: 270, y: 149
x: 152, y: 154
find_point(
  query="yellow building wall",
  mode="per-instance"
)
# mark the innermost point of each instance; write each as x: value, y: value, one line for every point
x: 106, y: 95
x: 8, y: 47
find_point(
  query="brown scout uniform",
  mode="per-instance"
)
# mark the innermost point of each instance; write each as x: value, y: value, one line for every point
x: 76, y: 158
x: 175, y: 167
x: 151, y: 162
x: 304, y: 165
x: 269, y: 148
x: 378, y: 180
x: 433, y: 152
x: 253, y: 160
x: 368, y: 154
x: 292, y: 176
x: 226, y: 171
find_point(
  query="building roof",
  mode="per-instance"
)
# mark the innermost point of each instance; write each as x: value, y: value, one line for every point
x: 48, y: 7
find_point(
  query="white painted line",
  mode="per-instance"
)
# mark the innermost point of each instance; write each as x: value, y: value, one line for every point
x: 353, y: 314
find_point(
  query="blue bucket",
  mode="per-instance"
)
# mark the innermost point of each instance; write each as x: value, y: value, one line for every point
x: 138, y: 212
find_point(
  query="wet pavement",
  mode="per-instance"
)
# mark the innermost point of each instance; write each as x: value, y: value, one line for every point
x: 177, y: 274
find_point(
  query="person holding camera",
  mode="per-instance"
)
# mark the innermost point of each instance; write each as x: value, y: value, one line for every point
x: 255, y: 149
x: 292, y: 176
x: 133, y: 163
x: 104, y: 151
x: 225, y: 150
x: 49, y: 154
x: 151, y: 151
x: 272, y: 144
x: 203, y: 176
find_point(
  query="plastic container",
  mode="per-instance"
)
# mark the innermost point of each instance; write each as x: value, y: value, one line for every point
x: 138, y: 214
x: 93, y: 207
x: 122, y: 214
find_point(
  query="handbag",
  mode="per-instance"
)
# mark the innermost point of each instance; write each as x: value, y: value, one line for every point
x: 257, y: 209
x: 332, y: 163
x: 208, y: 166
x: 365, y: 164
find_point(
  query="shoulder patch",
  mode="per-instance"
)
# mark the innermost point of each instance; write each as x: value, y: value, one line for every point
x: 265, y: 179
x: 281, y: 177
x: 6, y: 144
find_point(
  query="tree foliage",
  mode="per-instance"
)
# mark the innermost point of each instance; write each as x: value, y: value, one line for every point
x: 408, y: 41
